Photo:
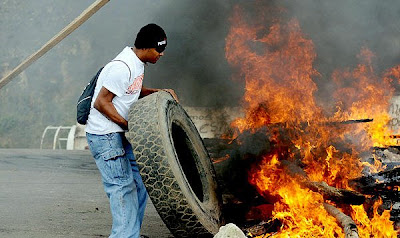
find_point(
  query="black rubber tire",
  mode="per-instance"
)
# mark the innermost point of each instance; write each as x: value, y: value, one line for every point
x: 175, y: 166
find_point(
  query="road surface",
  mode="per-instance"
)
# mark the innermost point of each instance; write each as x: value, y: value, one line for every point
x: 58, y: 193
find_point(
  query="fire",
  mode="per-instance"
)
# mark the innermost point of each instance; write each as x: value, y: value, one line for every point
x: 275, y: 62
x: 379, y: 225
x: 292, y: 208
x: 363, y: 94
x: 277, y: 70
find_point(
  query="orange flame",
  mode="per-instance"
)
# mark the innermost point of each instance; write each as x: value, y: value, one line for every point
x: 379, y: 225
x: 363, y: 94
x: 276, y: 64
x: 296, y: 204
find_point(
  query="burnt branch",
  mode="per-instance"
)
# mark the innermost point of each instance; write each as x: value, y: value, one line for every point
x: 349, y: 226
x: 385, y: 183
x: 340, y: 196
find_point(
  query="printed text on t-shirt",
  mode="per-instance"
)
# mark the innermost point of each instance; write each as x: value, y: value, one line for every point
x: 136, y: 85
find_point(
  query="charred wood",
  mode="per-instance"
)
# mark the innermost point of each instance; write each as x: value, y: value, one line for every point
x: 349, y: 226
x: 385, y: 183
x: 262, y: 228
x: 340, y: 196
x: 328, y: 123
x: 350, y: 121
x: 387, y: 176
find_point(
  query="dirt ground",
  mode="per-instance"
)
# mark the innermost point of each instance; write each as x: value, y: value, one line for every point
x: 58, y: 193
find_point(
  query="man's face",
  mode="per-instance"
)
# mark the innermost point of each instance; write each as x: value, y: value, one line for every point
x: 152, y: 55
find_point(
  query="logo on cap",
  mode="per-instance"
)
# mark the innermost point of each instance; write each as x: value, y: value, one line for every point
x: 161, y: 42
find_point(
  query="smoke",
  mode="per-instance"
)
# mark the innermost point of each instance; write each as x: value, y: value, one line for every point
x: 45, y: 94
x: 340, y: 29
x: 194, y: 63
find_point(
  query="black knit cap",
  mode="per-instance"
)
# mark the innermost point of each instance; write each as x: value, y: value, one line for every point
x: 151, y: 36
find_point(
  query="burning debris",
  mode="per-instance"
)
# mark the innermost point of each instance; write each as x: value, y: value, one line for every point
x: 349, y: 227
x: 309, y: 168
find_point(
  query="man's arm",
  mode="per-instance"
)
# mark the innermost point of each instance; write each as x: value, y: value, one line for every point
x: 147, y: 91
x: 104, y: 105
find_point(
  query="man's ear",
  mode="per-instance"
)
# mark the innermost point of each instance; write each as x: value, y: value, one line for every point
x: 145, y: 51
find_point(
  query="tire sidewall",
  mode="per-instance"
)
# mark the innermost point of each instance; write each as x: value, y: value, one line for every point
x: 208, y: 210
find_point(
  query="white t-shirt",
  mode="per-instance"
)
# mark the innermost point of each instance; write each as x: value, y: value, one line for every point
x: 125, y: 83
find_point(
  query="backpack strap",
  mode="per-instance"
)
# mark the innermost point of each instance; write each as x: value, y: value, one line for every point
x: 130, y: 74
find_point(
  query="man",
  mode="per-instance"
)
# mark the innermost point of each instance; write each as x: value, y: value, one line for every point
x: 119, y: 86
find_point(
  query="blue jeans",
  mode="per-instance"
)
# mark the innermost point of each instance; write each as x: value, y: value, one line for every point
x: 122, y: 182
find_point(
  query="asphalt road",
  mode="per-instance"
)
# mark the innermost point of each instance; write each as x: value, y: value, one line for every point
x: 58, y: 193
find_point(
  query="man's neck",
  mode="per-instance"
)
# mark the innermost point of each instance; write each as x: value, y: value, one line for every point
x: 139, y: 53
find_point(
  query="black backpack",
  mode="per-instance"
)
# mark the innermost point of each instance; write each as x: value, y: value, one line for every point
x: 85, y: 100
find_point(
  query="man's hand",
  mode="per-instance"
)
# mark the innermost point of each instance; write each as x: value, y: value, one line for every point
x: 172, y: 92
x: 147, y: 91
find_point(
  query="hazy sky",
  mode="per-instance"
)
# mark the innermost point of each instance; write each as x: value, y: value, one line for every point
x: 194, y: 63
